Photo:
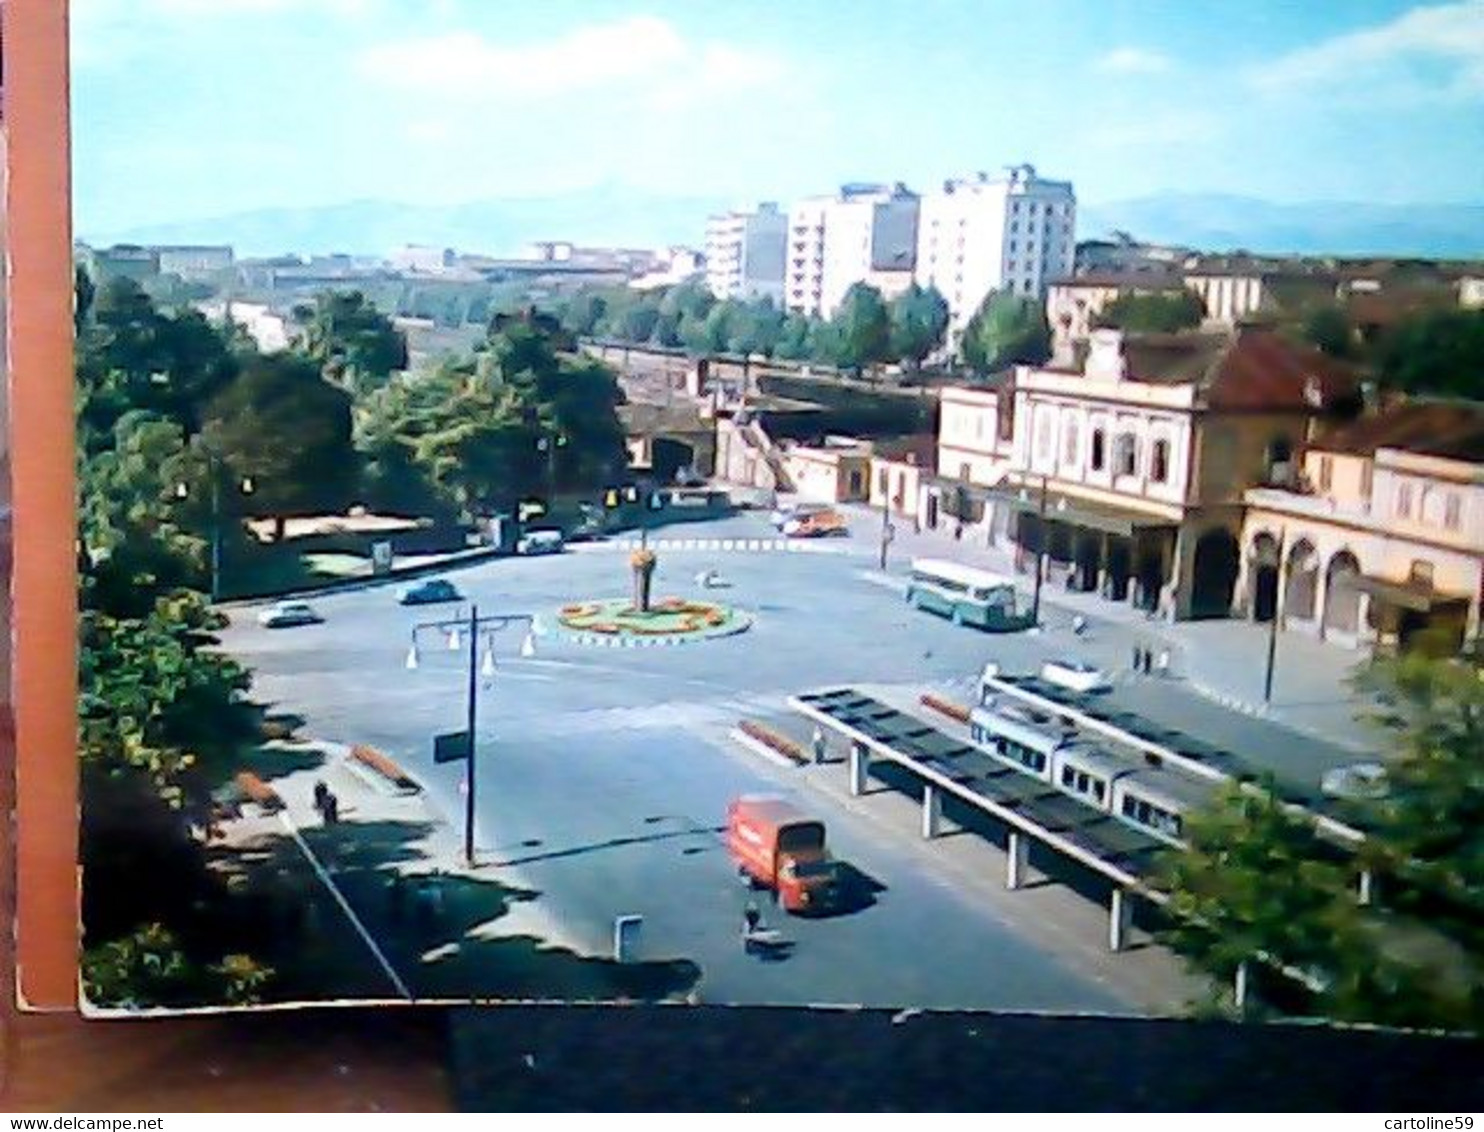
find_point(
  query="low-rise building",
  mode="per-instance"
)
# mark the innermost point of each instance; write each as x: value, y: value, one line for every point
x: 837, y: 471
x: 1125, y: 476
x: 1382, y: 540
x: 900, y: 471
x: 195, y: 262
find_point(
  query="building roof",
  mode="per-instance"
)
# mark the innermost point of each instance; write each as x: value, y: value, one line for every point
x: 1254, y: 369
x: 921, y: 449
x: 1450, y: 429
x: 1162, y: 280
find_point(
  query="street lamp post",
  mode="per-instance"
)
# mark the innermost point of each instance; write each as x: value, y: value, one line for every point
x: 477, y: 627
x: 1267, y: 683
x: 885, y: 528
x: 214, y: 474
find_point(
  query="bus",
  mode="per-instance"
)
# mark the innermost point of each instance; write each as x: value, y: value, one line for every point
x: 965, y: 595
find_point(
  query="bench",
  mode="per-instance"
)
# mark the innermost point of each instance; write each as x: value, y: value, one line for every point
x: 374, y: 761
x: 945, y: 707
x: 255, y: 790
x: 786, y: 747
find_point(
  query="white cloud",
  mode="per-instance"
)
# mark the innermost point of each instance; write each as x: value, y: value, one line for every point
x: 1133, y: 61
x: 643, y: 54
x: 1428, y: 53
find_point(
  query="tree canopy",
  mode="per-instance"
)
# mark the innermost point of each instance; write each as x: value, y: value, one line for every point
x: 1006, y: 330
x: 1438, y: 352
x: 862, y: 329
x: 919, y: 319
x: 288, y: 431
x: 355, y: 344
x: 1154, y: 313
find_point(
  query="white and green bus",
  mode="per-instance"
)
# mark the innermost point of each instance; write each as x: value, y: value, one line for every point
x: 965, y: 595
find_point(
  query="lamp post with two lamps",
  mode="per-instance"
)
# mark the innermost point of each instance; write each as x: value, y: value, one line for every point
x: 183, y: 491
x: 459, y: 746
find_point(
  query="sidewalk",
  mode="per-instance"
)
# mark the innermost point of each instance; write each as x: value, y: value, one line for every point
x: 1224, y: 661
x: 384, y: 908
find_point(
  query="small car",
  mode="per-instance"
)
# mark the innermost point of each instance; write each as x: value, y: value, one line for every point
x: 817, y: 524
x: 540, y: 542
x: 287, y: 614
x: 1074, y: 675
x: 432, y: 591
x: 785, y: 513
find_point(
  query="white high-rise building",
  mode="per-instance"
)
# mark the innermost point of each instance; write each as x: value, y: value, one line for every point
x: 806, y: 221
x: 870, y: 236
x: 745, y: 253
x: 1014, y: 233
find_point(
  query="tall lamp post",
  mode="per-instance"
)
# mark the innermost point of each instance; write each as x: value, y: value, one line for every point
x: 1040, y: 550
x: 183, y: 491
x: 549, y: 445
x: 459, y: 745
x: 1278, y: 611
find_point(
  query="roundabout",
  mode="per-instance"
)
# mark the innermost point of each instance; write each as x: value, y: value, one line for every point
x: 668, y: 621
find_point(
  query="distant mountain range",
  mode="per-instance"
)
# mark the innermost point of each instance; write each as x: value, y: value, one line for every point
x: 626, y: 217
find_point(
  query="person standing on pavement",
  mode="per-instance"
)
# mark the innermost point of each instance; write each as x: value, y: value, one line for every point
x: 751, y: 917
x: 819, y: 744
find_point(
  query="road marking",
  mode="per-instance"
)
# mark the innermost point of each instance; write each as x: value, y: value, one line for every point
x: 345, y: 907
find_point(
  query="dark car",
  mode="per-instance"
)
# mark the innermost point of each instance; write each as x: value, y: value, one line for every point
x: 433, y: 591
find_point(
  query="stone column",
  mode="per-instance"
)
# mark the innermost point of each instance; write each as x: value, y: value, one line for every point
x: 1017, y: 861
x: 860, y: 765
x: 1120, y: 920
x: 932, y: 811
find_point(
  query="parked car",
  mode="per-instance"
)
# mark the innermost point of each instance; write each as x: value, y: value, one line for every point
x: 785, y: 512
x: 817, y: 524
x: 287, y: 614
x: 1074, y: 675
x: 540, y: 542
x: 431, y: 591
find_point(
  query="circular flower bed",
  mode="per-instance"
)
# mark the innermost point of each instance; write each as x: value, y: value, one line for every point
x: 670, y: 620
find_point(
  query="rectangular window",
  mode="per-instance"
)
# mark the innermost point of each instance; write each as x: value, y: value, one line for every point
x: 1367, y: 471
x: 1452, y: 512
x: 1099, y: 454
x: 1326, y: 473
x: 1403, y: 501
x: 1159, y: 463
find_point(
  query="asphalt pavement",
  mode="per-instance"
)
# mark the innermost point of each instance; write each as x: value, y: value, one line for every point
x: 603, y: 774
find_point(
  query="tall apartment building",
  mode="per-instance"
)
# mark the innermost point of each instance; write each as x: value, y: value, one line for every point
x: 870, y: 236
x: 980, y: 234
x: 804, y: 292
x: 745, y: 253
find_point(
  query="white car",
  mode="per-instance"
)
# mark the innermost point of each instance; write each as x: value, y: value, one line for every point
x: 287, y: 614
x: 1356, y: 781
x: 1074, y: 675
x: 540, y: 542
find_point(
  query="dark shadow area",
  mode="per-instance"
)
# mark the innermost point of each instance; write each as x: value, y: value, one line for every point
x: 611, y: 843
x: 858, y: 891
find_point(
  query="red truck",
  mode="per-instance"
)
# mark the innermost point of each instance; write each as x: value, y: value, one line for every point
x: 779, y: 846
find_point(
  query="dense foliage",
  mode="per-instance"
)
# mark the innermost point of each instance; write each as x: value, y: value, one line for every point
x: 1259, y: 886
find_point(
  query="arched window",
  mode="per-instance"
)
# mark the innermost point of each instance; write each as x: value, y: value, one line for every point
x: 1069, y: 444
x: 1159, y: 461
x: 1126, y: 454
x: 1099, y: 449
x: 1043, y: 435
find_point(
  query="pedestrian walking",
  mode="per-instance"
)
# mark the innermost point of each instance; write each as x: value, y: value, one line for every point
x: 321, y: 792
x: 1164, y: 662
x: 1079, y: 625
x: 751, y: 917
x: 1138, y: 658
x: 820, y: 746
x: 1148, y: 661
x: 332, y: 808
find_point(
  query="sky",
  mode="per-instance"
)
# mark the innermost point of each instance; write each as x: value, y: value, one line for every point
x: 186, y: 109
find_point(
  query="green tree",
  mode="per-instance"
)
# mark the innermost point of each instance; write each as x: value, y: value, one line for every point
x: 583, y: 312
x: 1330, y: 329
x: 285, y: 428
x: 793, y: 338
x: 1427, y: 830
x: 149, y: 968
x: 1006, y: 330
x: 1155, y: 313
x: 756, y: 329
x: 1438, y: 352
x: 863, y: 329
x: 919, y: 319
x: 355, y: 344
